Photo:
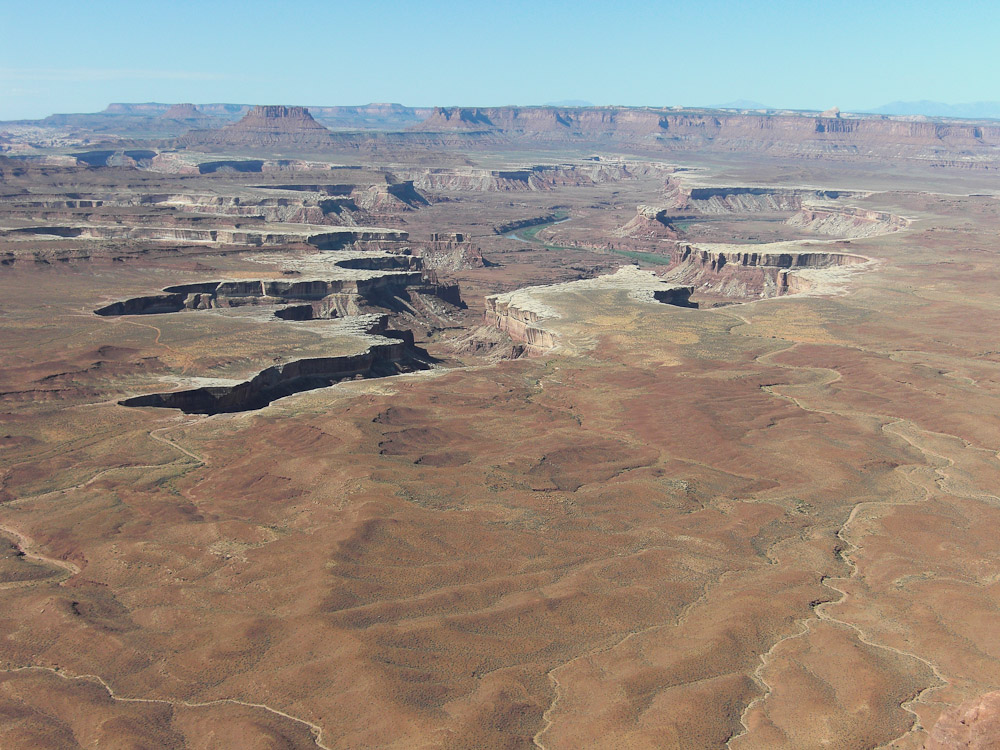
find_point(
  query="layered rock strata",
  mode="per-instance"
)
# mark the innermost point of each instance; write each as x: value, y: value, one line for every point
x: 743, y: 199
x: 780, y: 133
x: 739, y: 273
x: 529, y: 178
x: 449, y: 251
x: 815, y: 210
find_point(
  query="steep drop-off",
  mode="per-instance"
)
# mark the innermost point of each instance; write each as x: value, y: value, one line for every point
x: 327, y: 298
x: 743, y: 199
x: 735, y: 273
x: 379, y: 360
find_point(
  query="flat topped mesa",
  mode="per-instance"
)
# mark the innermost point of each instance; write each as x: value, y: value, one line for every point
x: 267, y: 125
x: 277, y: 118
x: 278, y: 111
x: 184, y: 112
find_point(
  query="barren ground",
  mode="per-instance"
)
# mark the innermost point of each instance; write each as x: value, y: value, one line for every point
x: 763, y: 524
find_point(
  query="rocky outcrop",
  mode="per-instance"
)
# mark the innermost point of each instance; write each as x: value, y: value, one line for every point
x: 388, y: 199
x: 507, y: 227
x: 182, y: 112
x: 191, y: 117
x: 380, y: 116
x: 266, y: 127
x: 519, y: 318
x: 364, y: 280
x: 449, y: 252
x: 132, y: 158
x: 308, y: 204
x: 649, y: 223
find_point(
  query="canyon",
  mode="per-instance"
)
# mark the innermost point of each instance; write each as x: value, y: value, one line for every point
x: 498, y: 427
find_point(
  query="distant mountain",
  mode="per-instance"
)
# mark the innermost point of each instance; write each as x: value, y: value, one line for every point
x: 570, y: 103
x: 972, y: 110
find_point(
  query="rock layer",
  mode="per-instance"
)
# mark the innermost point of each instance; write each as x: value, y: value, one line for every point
x: 738, y: 273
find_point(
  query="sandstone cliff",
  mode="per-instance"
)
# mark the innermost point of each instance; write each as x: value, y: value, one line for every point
x: 740, y: 272
x: 780, y: 134
x: 742, y: 199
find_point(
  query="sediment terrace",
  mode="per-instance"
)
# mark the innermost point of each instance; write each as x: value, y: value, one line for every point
x: 520, y: 314
x: 847, y: 221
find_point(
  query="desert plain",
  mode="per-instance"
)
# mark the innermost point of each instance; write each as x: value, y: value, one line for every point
x: 469, y: 428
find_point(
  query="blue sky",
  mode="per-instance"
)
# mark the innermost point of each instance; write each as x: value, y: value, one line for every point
x: 79, y: 56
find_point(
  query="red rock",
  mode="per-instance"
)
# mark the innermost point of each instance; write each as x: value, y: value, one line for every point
x: 266, y: 126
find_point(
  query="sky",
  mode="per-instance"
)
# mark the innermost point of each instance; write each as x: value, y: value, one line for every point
x: 80, y: 56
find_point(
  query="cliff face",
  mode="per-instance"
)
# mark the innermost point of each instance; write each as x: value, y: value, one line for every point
x: 509, y: 314
x: 777, y: 133
x: 381, y: 116
x: 738, y: 274
x: 743, y: 199
x: 379, y: 360
x: 266, y: 126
